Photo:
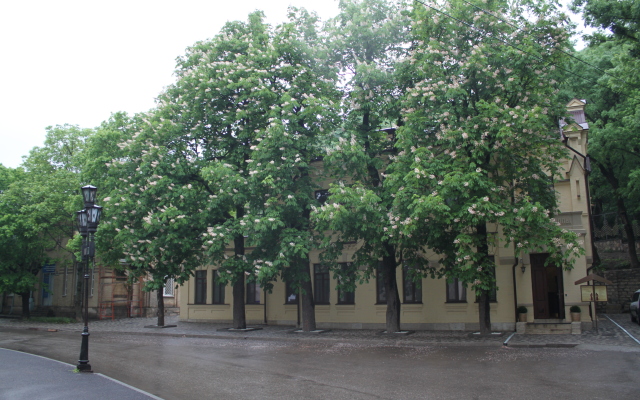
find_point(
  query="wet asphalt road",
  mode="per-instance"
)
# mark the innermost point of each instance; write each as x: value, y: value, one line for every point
x: 209, y: 368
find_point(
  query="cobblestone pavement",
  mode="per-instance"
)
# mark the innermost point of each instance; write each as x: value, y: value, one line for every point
x: 607, y: 334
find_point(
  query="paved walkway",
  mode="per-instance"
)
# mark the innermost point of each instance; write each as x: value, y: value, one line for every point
x: 608, y: 333
x: 26, y: 377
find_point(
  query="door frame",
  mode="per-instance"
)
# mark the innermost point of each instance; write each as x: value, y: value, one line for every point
x: 542, y: 297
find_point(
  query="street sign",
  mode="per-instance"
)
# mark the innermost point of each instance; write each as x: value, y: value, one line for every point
x: 593, y: 293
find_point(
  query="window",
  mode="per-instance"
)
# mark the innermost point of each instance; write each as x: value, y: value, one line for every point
x: 201, y: 287
x: 169, y: 287
x: 218, y: 290
x: 412, y: 292
x: 381, y: 291
x: 253, y: 293
x: 345, y: 297
x: 322, y: 196
x: 456, y: 291
x: 321, y: 284
x: 291, y: 294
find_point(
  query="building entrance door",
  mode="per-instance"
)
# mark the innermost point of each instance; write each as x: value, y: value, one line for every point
x: 548, y: 289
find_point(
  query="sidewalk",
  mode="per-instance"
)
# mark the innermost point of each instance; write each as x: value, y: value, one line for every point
x: 608, y: 333
x: 25, y: 377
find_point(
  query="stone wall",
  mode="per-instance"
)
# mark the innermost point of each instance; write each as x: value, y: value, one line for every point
x: 625, y: 283
x: 615, y: 245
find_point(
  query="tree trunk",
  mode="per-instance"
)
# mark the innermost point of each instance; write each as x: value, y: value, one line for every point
x: 485, y: 313
x: 483, y: 302
x: 308, y: 304
x: 239, y: 318
x: 160, y: 298
x: 26, y: 313
x: 391, y: 289
x: 628, y: 229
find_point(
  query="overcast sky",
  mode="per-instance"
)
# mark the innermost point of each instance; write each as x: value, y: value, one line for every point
x: 76, y: 62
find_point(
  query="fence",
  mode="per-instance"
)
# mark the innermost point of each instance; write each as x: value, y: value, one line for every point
x: 609, y: 227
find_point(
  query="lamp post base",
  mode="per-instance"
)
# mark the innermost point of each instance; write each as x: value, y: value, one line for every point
x: 84, y: 367
x: 83, y: 362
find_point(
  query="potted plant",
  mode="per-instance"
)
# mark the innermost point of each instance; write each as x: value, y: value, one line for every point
x: 575, y: 313
x: 522, y: 314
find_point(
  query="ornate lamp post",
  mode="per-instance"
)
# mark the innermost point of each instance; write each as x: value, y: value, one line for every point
x: 88, y: 220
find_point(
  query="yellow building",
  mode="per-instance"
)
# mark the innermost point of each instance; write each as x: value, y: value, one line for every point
x: 547, y: 292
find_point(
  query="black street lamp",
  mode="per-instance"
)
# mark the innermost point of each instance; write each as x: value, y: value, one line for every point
x: 88, y: 220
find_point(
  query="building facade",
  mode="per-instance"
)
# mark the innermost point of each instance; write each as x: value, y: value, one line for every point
x: 435, y: 304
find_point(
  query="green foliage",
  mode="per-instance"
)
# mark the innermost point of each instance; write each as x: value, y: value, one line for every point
x: 151, y: 218
x: 226, y: 154
x: 612, y: 112
x: 619, y: 19
x: 612, y: 90
x: 480, y: 142
x: 37, y: 206
x: 574, y: 309
x: 52, y: 320
x: 522, y: 310
x: 368, y: 38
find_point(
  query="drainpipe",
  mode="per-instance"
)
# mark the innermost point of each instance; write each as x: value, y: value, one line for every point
x: 515, y: 291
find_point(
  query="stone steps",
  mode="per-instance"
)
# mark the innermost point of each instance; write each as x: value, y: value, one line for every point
x: 549, y: 328
x: 546, y: 328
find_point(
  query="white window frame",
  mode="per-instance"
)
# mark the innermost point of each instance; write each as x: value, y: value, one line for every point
x: 169, y: 288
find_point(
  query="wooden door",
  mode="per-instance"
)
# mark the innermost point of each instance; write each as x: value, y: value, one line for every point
x: 539, y: 285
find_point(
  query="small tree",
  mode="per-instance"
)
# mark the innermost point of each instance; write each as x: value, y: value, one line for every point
x: 369, y: 37
x: 295, y: 94
x: 153, y: 219
x: 37, y: 209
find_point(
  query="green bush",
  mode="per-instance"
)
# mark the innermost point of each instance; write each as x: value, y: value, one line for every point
x: 574, y: 309
x: 52, y: 320
x: 522, y: 310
